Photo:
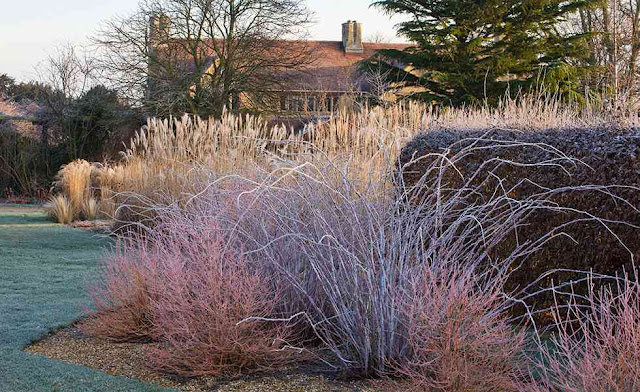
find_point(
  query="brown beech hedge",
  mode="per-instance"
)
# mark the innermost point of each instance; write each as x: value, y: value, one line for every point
x: 598, y: 157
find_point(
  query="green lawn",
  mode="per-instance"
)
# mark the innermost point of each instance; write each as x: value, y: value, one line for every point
x: 43, y: 270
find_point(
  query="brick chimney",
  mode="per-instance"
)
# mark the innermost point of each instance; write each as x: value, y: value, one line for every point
x: 352, y: 37
x: 159, y: 26
x: 159, y: 32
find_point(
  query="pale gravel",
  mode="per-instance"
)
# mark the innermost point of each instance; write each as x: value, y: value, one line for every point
x: 128, y: 360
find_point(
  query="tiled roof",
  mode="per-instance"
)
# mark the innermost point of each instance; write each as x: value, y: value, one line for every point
x: 331, y: 54
x: 330, y: 67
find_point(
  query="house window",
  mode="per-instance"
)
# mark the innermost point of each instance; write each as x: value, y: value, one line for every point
x: 293, y: 103
x: 312, y: 102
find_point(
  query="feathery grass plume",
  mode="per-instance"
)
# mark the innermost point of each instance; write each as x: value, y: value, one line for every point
x: 90, y: 209
x: 74, y: 181
x: 345, y: 250
x: 59, y: 209
x: 164, y: 153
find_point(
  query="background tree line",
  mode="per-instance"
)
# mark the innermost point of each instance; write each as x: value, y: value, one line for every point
x: 168, y: 58
x: 470, y: 52
x: 73, y: 115
x: 171, y: 57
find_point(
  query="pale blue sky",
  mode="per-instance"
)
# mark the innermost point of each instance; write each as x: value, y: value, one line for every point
x: 30, y: 29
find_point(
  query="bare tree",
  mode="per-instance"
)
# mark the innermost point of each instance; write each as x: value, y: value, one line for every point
x: 76, y: 111
x: 65, y: 76
x: 378, y: 38
x: 68, y: 74
x: 200, y: 56
x: 614, y: 43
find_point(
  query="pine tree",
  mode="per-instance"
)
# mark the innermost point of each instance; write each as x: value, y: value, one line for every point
x: 469, y: 51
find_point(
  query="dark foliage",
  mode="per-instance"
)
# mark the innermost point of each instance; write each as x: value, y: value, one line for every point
x: 604, y: 157
x: 22, y: 92
x: 468, y: 51
x: 56, y: 129
x: 90, y: 121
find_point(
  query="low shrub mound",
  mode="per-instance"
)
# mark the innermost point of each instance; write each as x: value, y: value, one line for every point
x: 595, y: 347
x: 207, y: 305
x: 595, y: 175
x: 460, y: 337
x: 185, y: 287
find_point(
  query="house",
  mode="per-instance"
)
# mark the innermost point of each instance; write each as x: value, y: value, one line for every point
x: 332, y: 78
x: 328, y: 81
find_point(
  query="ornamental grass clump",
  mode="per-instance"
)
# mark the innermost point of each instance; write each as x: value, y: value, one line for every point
x: 74, y: 182
x: 59, y: 209
x: 160, y: 159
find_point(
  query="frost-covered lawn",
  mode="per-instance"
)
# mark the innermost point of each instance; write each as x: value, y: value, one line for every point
x: 43, y: 270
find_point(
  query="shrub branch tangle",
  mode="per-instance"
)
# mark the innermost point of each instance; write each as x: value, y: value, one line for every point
x: 595, y: 347
x: 362, y: 241
x: 182, y: 286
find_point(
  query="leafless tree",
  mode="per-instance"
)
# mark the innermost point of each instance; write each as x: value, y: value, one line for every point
x: 200, y: 56
x: 614, y: 43
x: 378, y: 38
x: 77, y: 112
x: 68, y: 73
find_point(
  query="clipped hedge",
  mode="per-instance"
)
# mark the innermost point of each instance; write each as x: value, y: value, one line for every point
x: 608, y: 158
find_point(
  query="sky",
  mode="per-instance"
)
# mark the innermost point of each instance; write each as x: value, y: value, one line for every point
x: 31, y: 29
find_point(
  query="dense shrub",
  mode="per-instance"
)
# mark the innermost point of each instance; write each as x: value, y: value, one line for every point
x: 341, y: 257
x: 596, y: 173
x: 459, y: 334
x: 24, y: 163
x: 186, y: 287
x: 203, y: 294
x: 595, y: 345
